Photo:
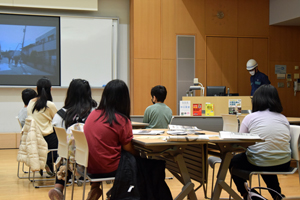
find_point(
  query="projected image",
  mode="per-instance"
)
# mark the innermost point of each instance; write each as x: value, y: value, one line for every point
x: 28, y: 50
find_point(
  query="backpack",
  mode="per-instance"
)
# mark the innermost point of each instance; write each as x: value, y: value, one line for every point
x: 253, y: 195
x: 76, y: 119
x: 140, y: 179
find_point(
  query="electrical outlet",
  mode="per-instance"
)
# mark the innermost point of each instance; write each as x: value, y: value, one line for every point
x: 296, y: 67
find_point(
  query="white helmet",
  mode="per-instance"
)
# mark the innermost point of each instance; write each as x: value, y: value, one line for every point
x: 251, y: 64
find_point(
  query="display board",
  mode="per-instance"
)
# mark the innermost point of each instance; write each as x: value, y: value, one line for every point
x: 87, y: 50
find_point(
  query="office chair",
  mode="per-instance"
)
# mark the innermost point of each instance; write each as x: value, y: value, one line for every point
x: 81, y: 157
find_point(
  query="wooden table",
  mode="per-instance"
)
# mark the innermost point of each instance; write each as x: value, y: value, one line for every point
x: 155, y: 146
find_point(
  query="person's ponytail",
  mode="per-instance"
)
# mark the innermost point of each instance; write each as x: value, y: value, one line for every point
x: 44, y: 94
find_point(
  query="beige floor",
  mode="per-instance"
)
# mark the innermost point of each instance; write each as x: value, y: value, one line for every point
x: 11, y: 187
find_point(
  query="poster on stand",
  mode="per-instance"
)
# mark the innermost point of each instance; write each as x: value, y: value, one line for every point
x: 185, y: 108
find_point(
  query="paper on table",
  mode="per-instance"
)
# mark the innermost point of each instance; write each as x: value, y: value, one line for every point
x: 187, y: 138
x: 146, y: 132
x: 177, y: 132
x: 151, y: 137
x: 183, y: 128
x: 240, y: 136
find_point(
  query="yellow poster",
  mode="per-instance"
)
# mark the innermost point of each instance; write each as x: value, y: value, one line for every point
x: 209, y: 109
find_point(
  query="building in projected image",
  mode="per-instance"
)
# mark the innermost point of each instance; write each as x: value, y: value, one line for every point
x: 42, y: 54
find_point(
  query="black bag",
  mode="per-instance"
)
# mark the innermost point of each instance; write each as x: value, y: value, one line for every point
x: 140, y: 179
x: 253, y: 195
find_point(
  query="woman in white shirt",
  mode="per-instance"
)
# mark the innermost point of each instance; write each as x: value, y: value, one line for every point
x: 274, y: 154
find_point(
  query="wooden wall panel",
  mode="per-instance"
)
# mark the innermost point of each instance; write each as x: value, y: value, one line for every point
x: 213, y: 61
x: 190, y: 19
x: 146, y: 75
x: 253, y: 18
x: 168, y: 42
x: 289, y: 102
x: 245, y: 52
x: 200, y: 71
x: 224, y: 26
x: 8, y: 140
x: 168, y: 79
x: 260, y: 54
x: 222, y: 62
x: 155, y: 24
x: 229, y: 64
x: 147, y: 29
x: 284, y: 43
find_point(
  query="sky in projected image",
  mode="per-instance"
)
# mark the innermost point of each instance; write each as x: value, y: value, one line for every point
x: 11, y: 36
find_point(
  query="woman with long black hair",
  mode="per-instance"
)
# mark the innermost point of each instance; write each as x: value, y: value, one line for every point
x: 78, y: 105
x: 42, y: 110
x: 108, y: 130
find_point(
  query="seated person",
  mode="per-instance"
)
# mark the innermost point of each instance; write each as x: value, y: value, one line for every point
x: 42, y: 110
x: 108, y: 130
x: 78, y: 105
x: 274, y: 154
x: 158, y: 115
x: 27, y: 95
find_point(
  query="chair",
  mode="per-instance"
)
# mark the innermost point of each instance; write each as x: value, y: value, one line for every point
x: 19, y: 122
x: 172, y: 119
x: 295, y: 148
x: 63, y: 151
x: 295, y: 145
x: 33, y: 179
x: 240, y: 120
x: 18, y: 172
x: 230, y: 123
x: 81, y: 157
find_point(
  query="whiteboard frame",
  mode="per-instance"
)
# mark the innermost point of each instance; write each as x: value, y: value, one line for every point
x: 115, y: 45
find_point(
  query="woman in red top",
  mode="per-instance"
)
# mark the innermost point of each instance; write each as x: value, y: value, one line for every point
x: 108, y: 129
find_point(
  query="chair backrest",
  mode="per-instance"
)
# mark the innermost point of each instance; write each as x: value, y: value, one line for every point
x: 241, y: 118
x: 82, y: 149
x: 63, y: 147
x: 172, y: 119
x: 230, y: 123
x: 19, y: 122
x: 295, y: 141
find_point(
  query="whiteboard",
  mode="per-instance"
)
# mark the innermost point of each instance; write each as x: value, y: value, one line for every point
x: 86, y: 50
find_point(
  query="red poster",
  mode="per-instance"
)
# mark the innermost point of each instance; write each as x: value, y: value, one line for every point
x: 197, y: 109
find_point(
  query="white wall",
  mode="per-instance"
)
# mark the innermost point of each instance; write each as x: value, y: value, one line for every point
x: 283, y: 11
x: 10, y: 97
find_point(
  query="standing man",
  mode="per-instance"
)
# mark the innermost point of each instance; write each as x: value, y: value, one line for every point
x: 257, y: 78
x: 158, y: 115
